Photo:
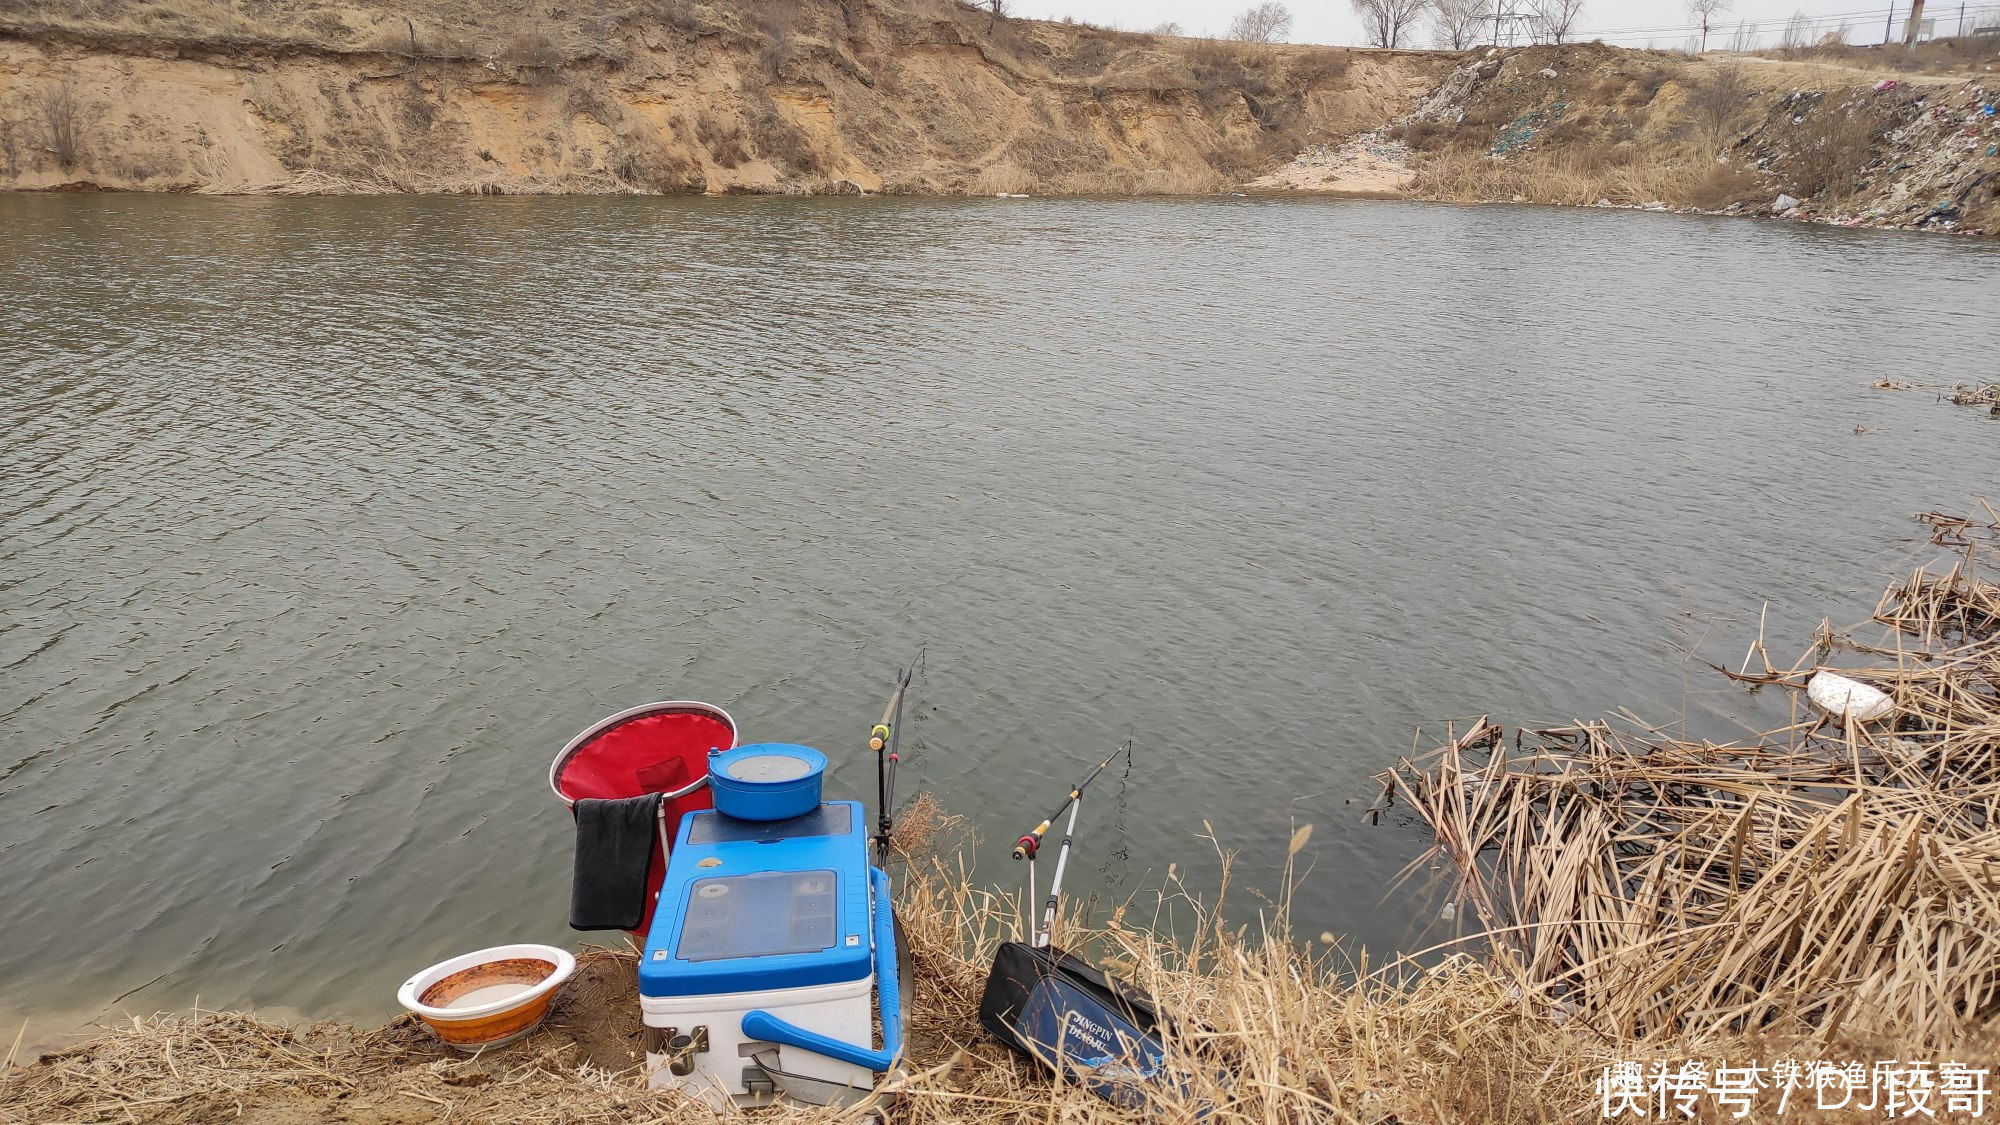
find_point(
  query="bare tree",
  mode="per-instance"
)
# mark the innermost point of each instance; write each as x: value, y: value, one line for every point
x: 1170, y: 27
x: 1388, y: 23
x: 1269, y: 22
x: 1554, y: 20
x: 1456, y: 24
x: 55, y: 106
x: 1706, y: 13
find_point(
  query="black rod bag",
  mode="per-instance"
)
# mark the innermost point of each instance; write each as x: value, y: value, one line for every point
x: 1058, y: 1010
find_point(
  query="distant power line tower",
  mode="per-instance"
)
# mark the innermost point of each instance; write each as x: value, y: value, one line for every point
x: 1510, y: 23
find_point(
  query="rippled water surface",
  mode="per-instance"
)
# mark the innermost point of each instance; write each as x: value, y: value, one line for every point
x: 324, y: 523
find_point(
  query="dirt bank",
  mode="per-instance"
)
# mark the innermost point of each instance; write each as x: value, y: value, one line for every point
x: 925, y: 96
x: 1911, y: 141
x: 939, y: 97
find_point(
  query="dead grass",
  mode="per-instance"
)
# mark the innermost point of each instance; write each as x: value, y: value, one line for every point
x: 1678, y: 176
x: 1951, y: 55
x: 1006, y: 178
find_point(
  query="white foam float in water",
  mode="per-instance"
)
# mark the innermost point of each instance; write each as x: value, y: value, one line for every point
x: 1851, y: 700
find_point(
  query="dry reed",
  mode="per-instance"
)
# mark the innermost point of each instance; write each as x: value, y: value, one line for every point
x: 1816, y: 880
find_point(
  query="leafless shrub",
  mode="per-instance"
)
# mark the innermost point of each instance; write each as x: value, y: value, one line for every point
x: 58, y: 109
x: 1423, y: 135
x: 648, y: 164
x: 419, y: 105
x: 1170, y: 27
x: 1724, y: 184
x: 1269, y: 22
x: 772, y: 23
x: 328, y: 26
x: 724, y: 142
x: 1388, y: 23
x: 1319, y: 67
x: 1714, y: 105
x: 533, y: 51
x: 784, y: 144
x: 1829, y: 150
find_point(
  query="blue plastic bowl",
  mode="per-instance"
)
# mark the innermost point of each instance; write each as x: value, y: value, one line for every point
x: 766, y: 780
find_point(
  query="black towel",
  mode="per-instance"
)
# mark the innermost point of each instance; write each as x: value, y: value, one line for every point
x: 614, y: 846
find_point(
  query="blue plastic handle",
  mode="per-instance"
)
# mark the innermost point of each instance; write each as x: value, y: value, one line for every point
x: 763, y: 1025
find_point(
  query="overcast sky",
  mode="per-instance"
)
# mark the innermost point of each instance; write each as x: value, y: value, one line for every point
x: 1632, y: 23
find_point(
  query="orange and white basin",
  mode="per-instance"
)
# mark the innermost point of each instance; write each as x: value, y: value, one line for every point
x: 488, y: 997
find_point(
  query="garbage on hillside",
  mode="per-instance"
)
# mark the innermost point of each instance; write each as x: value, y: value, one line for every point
x: 1928, y: 159
x: 1521, y: 131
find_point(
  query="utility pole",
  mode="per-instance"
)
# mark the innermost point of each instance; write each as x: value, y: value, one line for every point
x: 1916, y: 21
x: 1889, y: 26
x: 1961, y: 19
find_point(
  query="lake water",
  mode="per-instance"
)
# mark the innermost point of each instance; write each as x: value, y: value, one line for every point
x: 324, y: 523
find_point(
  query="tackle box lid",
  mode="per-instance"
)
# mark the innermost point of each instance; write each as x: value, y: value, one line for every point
x: 750, y: 906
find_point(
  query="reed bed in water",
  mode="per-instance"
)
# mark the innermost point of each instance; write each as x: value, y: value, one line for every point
x: 1820, y: 879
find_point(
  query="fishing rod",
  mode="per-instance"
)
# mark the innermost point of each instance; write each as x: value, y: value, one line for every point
x: 1027, y: 846
x: 882, y: 740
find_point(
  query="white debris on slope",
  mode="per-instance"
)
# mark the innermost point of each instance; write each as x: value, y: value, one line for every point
x: 1368, y: 164
x: 1448, y: 101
